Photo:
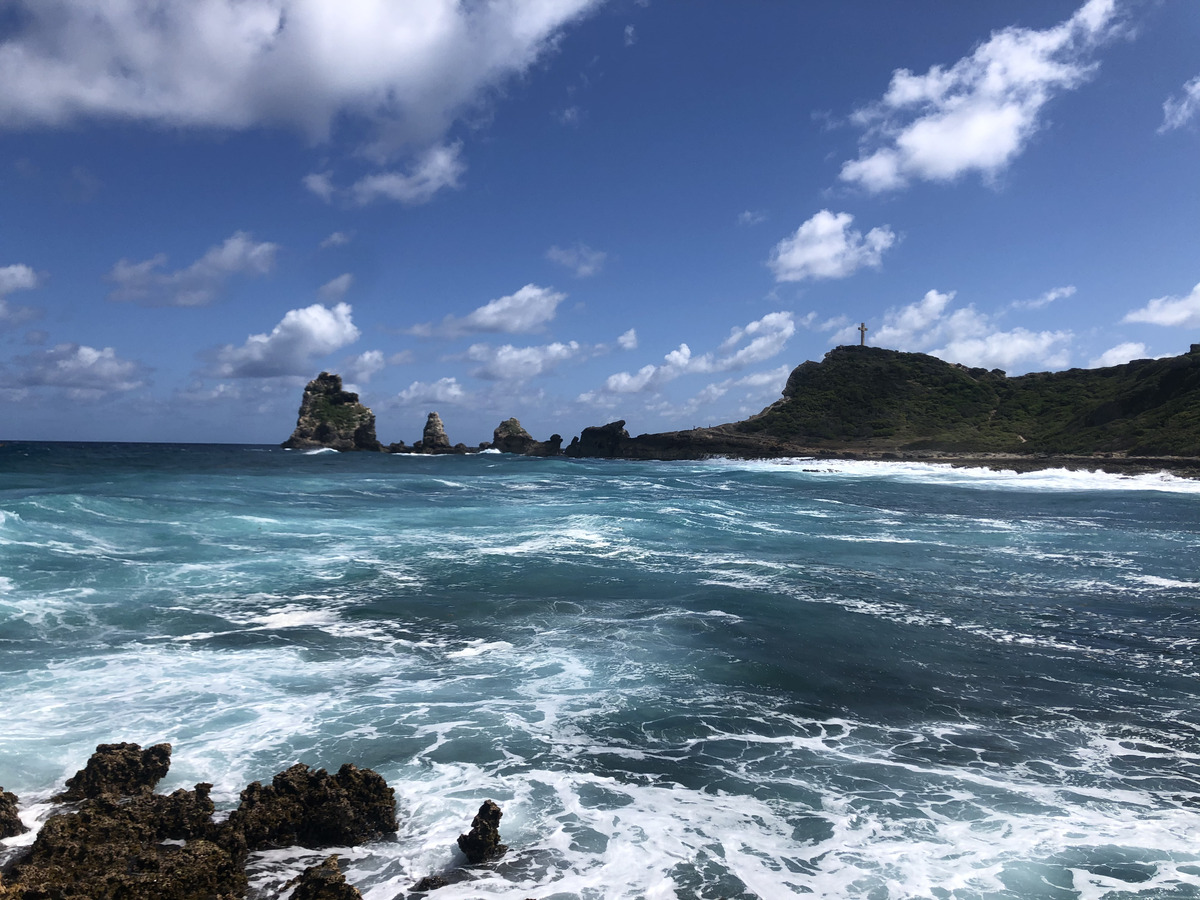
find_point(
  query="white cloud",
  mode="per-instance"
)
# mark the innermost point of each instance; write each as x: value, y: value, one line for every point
x: 519, y: 364
x: 1118, y: 355
x: 523, y: 312
x: 321, y: 184
x: 337, y: 239
x: 826, y: 247
x: 336, y: 288
x: 1173, y: 312
x: 1178, y: 111
x: 302, y: 336
x: 444, y: 390
x: 580, y: 258
x: 964, y: 336
x: 439, y: 167
x: 768, y: 336
x: 362, y: 367
x: 408, y: 69
x: 630, y: 35
x: 628, y: 340
x: 751, y: 217
x: 198, y: 285
x: 84, y: 372
x: 18, y: 277
x: 979, y: 114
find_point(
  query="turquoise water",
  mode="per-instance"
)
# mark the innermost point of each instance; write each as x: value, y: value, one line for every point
x: 679, y: 680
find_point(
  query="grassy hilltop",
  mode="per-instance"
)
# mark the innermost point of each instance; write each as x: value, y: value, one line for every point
x: 871, y: 398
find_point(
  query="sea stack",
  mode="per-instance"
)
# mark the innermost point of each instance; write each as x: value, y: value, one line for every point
x: 332, y: 418
x: 511, y: 437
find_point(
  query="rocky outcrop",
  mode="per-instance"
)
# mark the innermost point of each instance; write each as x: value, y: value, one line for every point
x: 605, y: 441
x: 312, y: 808
x: 125, y: 843
x: 119, y: 770
x: 10, y: 822
x: 324, y: 882
x: 331, y: 417
x: 483, y: 841
x: 511, y: 437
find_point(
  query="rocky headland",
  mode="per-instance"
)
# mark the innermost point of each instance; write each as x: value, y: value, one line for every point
x: 873, y: 403
x: 113, y: 838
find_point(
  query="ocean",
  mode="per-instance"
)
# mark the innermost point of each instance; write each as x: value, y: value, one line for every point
x: 717, y: 679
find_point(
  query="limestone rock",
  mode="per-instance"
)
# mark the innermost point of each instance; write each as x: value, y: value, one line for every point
x: 119, y: 770
x: 312, y: 808
x: 332, y: 417
x: 433, y: 439
x: 600, y: 440
x: 483, y: 841
x: 324, y: 882
x: 10, y: 822
x: 511, y: 437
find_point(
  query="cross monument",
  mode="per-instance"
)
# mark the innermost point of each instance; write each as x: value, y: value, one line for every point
x: 862, y: 334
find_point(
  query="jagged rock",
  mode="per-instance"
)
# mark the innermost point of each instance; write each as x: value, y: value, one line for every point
x: 119, y: 770
x: 483, y: 841
x: 324, y: 882
x: 332, y: 417
x: 399, y: 447
x: 600, y: 440
x: 311, y: 808
x: 114, y: 849
x: 10, y: 822
x: 511, y: 437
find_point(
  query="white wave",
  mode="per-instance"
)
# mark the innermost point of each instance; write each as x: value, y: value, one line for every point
x: 319, y: 450
x: 1155, y: 581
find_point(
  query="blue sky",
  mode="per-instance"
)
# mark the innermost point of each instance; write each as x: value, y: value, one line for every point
x: 574, y: 211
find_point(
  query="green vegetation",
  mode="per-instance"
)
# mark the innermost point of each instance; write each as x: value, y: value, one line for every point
x: 873, y: 398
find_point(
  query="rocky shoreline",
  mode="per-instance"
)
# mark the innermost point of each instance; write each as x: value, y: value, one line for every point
x: 112, y: 838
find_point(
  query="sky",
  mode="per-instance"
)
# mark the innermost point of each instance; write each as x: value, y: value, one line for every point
x: 574, y: 211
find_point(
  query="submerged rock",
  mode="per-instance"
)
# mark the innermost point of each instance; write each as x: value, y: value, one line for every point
x: 311, y: 808
x: 119, y: 770
x: 324, y: 882
x: 483, y: 841
x: 332, y: 417
x: 10, y: 823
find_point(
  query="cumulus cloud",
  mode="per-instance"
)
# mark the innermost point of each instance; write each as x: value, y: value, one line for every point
x: 302, y: 336
x: 199, y: 284
x: 964, y: 336
x: 85, y: 373
x: 336, y: 288
x: 519, y: 364
x: 1178, y: 111
x: 628, y: 340
x: 827, y: 247
x: 1173, y: 312
x: 1118, y: 355
x: 444, y: 390
x: 980, y: 113
x: 362, y: 367
x: 766, y: 338
x: 407, y: 68
x: 523, y: 312
x: 579, y: 258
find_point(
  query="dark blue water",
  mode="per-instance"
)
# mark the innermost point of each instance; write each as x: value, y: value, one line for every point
x: 680, y: 680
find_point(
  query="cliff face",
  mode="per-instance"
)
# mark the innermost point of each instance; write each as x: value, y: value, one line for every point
x: 332, y: 417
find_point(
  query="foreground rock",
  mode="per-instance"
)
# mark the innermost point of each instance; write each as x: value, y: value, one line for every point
x: 324, y: 882
x: 125, y: 843
x: 483, y: 841
x: 511, y: 437
x: 10, y: 822
x: 119, y: 770
x: 311, y: 808
x: 333, y: 418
